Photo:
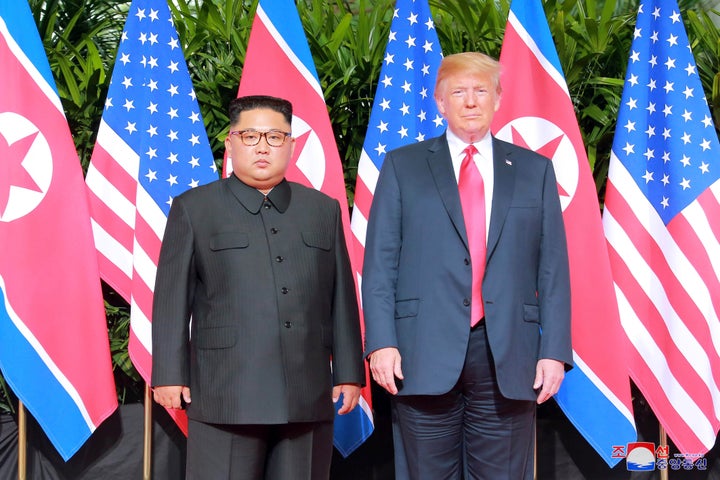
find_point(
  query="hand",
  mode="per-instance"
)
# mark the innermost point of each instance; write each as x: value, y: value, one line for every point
x: 385, y: 366
x: 169, y: 396
x: 549, y: 374
x: 350, y: 393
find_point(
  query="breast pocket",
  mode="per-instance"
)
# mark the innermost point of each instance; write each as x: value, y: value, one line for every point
x: 320, y: 240
x: 229, y: 240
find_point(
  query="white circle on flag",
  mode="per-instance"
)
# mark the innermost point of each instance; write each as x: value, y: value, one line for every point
x: 311, y: 160
x: 538, y: 132
x: 37, y: 162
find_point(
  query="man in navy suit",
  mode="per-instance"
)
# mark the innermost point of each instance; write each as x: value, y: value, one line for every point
x: 467, y: 299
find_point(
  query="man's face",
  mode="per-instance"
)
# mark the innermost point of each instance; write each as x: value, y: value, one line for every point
x: 468, y: 102
x: 260, y: 166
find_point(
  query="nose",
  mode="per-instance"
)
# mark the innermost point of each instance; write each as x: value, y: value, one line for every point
x: 263, y: 144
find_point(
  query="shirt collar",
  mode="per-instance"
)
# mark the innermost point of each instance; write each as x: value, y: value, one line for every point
x: 457, y: 146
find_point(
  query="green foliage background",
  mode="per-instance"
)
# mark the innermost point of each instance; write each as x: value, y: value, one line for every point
x: 347, y: 39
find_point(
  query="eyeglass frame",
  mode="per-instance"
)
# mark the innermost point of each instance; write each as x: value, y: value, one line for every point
x: 239, y: 133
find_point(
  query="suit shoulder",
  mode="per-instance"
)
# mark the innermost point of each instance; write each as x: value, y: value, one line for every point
x: 307, y: 194
x: 413, y: 149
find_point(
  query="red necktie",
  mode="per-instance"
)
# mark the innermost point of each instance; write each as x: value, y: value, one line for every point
x: 472, y: 199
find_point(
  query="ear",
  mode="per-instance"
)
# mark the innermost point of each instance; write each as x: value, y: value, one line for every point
x: 292, y: 146
x: 440, y: 105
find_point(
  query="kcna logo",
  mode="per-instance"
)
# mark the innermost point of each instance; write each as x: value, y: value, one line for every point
x: 28, y: 166
x: 643, y: 456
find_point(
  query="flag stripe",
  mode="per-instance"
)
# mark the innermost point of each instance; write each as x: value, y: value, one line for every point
x: 663, y: 385
x: 595, y: 395
x: 51, y: 296
x: 687, y: 343
x: 537, y: 42
x: 42, y: 82
x: 151, y: 146
x: 67, y: 425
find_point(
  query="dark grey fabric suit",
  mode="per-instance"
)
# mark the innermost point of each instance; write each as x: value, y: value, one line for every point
x: 272, y: 300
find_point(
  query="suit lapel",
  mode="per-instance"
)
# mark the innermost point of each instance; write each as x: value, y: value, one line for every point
x: 440, y: 165
x: 504, y: 166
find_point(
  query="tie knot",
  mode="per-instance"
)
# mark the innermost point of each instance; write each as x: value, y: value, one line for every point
x: 469, y: 151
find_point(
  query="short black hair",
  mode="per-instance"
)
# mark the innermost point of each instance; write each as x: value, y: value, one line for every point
x: 254, y: 102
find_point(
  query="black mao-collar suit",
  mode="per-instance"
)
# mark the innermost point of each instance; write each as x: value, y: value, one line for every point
x: 272, y: 299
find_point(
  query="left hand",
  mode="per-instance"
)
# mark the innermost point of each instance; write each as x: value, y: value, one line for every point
x: 351, y: 395
x: 549, y: 375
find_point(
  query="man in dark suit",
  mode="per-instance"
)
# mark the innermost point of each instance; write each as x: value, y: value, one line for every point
x: 260, y: 265
x: 467, y: 319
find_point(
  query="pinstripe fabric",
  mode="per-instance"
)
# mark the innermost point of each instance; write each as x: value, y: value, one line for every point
x: 272, y: 300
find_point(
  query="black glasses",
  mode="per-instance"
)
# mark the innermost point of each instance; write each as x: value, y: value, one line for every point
x: 274, y: 138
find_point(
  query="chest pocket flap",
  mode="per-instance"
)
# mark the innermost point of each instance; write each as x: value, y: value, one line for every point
x: 318, y: 240
x: 224, y: 241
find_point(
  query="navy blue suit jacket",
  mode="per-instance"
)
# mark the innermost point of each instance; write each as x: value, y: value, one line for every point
x: 417, y: 275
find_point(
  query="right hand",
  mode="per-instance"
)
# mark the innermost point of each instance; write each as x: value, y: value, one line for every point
x: 385, y: 366
x: 169, y: 396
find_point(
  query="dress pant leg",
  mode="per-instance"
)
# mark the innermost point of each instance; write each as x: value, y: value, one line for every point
x: 300, y: 451
x: 431, y: 429
x: 499, y: 433
x: 220, y: 452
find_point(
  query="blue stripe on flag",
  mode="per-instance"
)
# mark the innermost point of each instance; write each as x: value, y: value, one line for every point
x: 21, y: 25
x: 605, y: 426
x: 291, y: 30
x: 52, y: 406
x: 351, y: 429
x: 528, y: 14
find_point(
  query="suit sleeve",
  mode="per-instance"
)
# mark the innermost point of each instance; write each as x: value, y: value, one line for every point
x: 381, y: 262
x: 348, y: 366
x: 174, y: 286
x: 554, y: 277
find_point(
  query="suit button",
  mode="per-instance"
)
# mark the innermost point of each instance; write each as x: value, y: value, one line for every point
x: 273, y: 230
x: 279, y: 259
x: 266, y: 204
x: 466, y: 302
x: 467, y: 261
x: 288, y: 324
x: 284, y: 290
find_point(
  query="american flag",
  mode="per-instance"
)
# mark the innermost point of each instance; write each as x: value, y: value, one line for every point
x: 403, y: 112
x: 537, y: 112
x: 662, y: 225
x: 54, y: 350
x: 404, y: 109
x: 151, y: 146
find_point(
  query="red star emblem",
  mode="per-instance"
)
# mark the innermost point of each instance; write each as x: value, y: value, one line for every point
x: 13, y: 173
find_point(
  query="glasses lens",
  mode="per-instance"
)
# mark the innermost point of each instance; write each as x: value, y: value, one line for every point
x: 250, y: 138
x: 275, y: 139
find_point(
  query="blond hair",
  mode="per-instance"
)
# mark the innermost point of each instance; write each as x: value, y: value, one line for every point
x: 468, y: 62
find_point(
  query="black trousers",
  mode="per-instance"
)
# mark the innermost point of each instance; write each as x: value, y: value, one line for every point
x: 295, y: 451
x: 471, y: 432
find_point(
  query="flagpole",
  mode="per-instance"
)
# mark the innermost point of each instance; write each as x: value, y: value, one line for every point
x: 22, y: 442
x: 147, y: 435
x: 535, y: 451
x: 664, y: 474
